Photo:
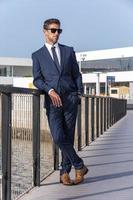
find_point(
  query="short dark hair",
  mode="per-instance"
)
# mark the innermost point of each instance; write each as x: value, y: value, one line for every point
x: 51, y: 21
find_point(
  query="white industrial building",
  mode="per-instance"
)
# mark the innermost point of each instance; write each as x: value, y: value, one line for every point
x: 104, y: 72
x: 16, y: 71
x: 108, y: 72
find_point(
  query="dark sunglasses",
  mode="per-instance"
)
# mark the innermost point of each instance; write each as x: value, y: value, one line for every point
x: 53, y: 30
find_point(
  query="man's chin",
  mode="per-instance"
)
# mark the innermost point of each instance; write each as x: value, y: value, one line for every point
x: 55, y: 40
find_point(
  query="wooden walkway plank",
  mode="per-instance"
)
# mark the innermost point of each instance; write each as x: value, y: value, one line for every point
x: 110, y: 161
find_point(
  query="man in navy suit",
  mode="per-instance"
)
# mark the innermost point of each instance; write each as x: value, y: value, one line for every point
x: 56, y: 72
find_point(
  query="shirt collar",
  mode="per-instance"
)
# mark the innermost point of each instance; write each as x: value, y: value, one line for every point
x: 49, y: 45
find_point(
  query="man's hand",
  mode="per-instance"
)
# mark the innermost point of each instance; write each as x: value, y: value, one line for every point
x: 55, y: 98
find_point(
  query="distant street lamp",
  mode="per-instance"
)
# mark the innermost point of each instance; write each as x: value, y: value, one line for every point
x: 82, y: 58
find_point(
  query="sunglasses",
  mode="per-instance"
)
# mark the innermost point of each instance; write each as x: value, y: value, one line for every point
x: 53, y: 30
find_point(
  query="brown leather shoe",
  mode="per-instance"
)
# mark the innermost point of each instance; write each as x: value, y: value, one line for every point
x: 79, y: 174
x: 65, y: 179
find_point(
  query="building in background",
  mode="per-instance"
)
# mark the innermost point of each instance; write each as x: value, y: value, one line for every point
x: 105, y: 72
x: 16, y: 72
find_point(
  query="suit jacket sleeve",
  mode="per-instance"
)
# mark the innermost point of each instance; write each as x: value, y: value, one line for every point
x: 76, y: 74
x: 38, y: 78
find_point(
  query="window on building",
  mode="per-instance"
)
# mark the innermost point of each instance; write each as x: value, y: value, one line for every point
x: 6, y: 71
x: 3, y: 71
x: 114, y: 91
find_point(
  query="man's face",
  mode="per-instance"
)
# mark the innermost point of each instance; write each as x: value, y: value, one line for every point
x: 51, y: 34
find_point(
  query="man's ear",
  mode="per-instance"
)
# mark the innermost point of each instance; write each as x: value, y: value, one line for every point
x: 44, y: 32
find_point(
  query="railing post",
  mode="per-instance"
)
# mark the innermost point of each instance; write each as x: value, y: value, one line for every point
x: 56, y: 156
x: 92, y: 118
x: 36, y: 140
x: 79, y: 127
x: 86, y: 121
x: 110, y: 124
x: 6, y: 146
x: 108, y: 112
x: 101, y: 115
x: 125, y: 106
x: 97, y: 116
x: 105, y: 113
x: 115, y: 111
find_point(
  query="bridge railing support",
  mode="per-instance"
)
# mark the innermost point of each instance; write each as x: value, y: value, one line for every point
x: 105, y: 111
x: 99, y: 114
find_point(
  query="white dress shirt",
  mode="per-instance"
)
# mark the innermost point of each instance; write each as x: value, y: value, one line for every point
x: 57, y: 49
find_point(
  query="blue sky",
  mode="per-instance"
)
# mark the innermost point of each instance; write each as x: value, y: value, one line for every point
x: 87, y: 24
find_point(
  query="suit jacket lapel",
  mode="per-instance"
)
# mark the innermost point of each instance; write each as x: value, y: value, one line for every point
x: 62, y: 55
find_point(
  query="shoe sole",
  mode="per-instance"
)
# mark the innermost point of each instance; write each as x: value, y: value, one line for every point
x: 66, y: 184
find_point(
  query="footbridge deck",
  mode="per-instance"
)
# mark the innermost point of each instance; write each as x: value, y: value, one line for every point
x: 110, y: 163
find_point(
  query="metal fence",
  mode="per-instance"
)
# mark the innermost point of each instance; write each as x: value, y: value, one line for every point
x: 0, y: 155
x: 28, y: 154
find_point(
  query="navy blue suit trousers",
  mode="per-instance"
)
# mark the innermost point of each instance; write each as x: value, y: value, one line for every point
x: 62, y: 122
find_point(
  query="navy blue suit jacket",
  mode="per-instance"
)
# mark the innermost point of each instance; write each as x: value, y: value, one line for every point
x: 46, y: 75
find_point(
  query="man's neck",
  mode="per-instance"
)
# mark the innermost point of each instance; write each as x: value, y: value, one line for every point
x: 51, y: 44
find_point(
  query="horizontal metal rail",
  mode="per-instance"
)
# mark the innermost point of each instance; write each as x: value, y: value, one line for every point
x: 95, y: 115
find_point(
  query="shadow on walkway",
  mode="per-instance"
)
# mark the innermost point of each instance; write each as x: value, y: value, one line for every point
x: 110, y: 163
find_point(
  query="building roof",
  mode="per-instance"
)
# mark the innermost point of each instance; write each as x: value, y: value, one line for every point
x: 105, y: 54
x: 4, y: 61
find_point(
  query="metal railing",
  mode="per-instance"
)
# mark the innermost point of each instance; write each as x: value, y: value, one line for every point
x: 28, y: 154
